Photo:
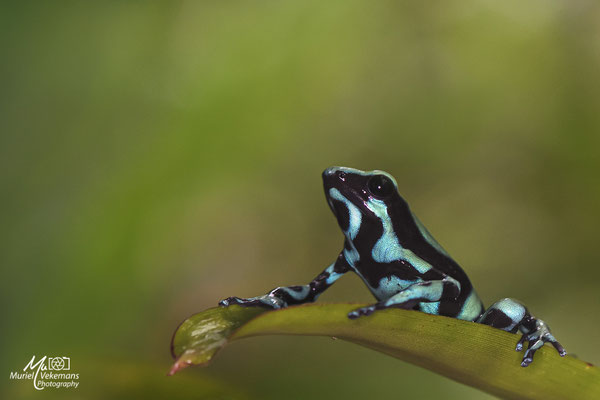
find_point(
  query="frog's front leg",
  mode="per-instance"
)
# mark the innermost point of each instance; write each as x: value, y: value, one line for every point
x: 288, y: 295
x: 424, y: 291
x: 510, y: 315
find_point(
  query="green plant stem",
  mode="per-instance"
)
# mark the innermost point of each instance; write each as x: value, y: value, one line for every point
x: 474, y: 354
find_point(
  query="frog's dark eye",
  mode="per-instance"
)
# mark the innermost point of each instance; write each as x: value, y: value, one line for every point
x: 380, y: 186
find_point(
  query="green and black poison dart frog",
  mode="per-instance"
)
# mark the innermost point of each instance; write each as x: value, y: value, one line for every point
x: 400, y: 262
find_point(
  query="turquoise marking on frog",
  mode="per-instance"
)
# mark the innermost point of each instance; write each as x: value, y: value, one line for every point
x: 351, y: 255
x: 355, y: 216
x: 471, y: 309
x: 390, y: 284
x: 387, y: 249
x: 400, y: 262
x: 417, y: 263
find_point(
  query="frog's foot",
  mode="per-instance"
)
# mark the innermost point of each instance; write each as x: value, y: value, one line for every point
x: 536, y: 340
x: 266, y: 301
x: 363, y: 311
x: 512, y: 316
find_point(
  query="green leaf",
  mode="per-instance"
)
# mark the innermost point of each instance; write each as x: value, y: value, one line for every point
x: 474, y: 354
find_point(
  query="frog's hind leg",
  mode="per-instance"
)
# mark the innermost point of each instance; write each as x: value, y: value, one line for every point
x: 512, y: 316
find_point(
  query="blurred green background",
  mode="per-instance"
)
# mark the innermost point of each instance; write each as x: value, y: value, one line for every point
x: 158, y: 156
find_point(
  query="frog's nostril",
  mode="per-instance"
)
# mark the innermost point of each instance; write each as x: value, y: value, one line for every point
x: 342, y: 175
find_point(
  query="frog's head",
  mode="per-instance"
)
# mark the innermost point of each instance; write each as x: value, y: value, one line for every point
x: 362, y: 199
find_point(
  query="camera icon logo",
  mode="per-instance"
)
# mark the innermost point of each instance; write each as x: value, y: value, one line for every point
x: 59, y: 363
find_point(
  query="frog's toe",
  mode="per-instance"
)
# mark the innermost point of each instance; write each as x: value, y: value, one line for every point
x: 363, y: 311
x: 521, y: 342
x: 527, y: 360
x: 229, y: 301
x: 561, y: 350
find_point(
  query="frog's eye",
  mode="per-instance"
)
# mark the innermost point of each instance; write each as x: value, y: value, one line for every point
x: 380, y: 186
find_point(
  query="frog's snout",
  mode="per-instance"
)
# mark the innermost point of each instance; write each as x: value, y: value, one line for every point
x: 333, y: 176
x: 330, y: 172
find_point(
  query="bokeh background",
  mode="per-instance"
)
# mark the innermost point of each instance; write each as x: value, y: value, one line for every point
x: 156, y: 157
